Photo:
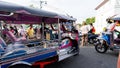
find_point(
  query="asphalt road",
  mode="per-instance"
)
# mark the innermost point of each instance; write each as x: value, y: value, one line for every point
x: 88, y: 58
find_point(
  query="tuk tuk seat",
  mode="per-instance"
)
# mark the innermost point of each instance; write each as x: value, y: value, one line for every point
x: 12, y: 37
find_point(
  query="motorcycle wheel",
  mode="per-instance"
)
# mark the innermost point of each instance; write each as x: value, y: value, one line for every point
x: 101, y: 48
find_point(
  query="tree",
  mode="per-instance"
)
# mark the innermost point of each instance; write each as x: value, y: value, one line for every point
x: 90, y: 20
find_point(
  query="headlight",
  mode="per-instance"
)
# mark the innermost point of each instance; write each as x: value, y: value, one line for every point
x: 101, y: 41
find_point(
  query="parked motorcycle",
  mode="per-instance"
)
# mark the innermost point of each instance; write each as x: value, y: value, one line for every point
x: 92, y: 38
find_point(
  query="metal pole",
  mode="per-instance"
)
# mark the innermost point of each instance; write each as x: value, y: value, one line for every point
x: 41, y: 3
x: 59, y: 32
x: 43, y: 36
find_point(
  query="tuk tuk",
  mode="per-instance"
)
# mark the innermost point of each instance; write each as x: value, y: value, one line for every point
x: 24, y: 52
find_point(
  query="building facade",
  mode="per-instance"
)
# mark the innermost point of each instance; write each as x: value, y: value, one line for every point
x: 106, y: 9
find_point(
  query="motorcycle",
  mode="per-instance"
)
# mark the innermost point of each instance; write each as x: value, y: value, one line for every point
x: 106, y: 41
x: 92, y: 38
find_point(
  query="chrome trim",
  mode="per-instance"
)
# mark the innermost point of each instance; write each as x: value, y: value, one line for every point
x: 7, y: 15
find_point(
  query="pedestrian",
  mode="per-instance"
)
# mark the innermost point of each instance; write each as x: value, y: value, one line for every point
x: 5, y: 28
x: 92, y: 29
x: 118, y: 62
x: 22, y: 31
x: 15, y: 31
x: 12, y: 29
x: 30, y: 32
x: 38, y: 33
x: 35, y: 29
x: 84, y: 30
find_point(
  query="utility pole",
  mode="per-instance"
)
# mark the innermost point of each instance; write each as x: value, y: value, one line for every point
x: 41, y: 3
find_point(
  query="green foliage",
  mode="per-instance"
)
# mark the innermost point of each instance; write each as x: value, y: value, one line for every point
x: 90, y: 20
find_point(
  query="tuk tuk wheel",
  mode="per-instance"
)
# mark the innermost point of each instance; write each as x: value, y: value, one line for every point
x: 20, y: 66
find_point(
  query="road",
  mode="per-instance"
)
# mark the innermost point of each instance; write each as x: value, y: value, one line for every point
x: 88, y: 58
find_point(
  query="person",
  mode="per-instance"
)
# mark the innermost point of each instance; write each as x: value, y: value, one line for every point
x: 12, y: 29
x: 110, y: 25
x: 35, y: 29
x: 15, y: 31
x: 112, y: 28
x: 30, y: 32
x: 4, y: 33
x: 91, y: 34
x: 84, y: 30
x: 38, y: 33
x: 44, y: 31
x: 116, y: 33
x: 22, y: 31
x: 118, y: 62
x: 5, y: 27
x: 92, y: 29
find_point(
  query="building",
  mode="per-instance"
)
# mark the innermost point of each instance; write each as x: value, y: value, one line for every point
x: 106, y: 9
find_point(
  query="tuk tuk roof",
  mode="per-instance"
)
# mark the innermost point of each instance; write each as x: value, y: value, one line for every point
x: 10, y: 7
x: 64, y: 17
x: 45, y: 15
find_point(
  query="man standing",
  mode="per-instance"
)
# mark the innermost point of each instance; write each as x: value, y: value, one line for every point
x: 30, y: 32
x: 84, y: 30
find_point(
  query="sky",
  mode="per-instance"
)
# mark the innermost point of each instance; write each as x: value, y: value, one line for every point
x: 79, y: 9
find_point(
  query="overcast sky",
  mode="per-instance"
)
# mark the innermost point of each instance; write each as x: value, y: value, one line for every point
x: 80, y: 9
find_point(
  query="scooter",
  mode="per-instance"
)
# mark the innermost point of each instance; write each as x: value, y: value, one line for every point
x: 106, y: 41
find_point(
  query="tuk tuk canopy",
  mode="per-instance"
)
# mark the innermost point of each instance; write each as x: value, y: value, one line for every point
x: 14, y: 12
